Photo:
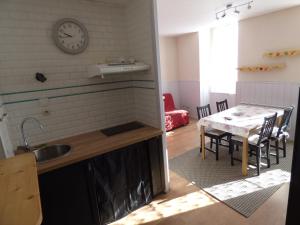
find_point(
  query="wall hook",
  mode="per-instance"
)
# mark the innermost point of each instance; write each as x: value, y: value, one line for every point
x: 40, y: 77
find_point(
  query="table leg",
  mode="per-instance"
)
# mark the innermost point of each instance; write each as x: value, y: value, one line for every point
x: 245, y: 157
x: 202, y: 136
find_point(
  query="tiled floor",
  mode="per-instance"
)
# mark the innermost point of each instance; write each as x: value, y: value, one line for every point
x: 187, y: 204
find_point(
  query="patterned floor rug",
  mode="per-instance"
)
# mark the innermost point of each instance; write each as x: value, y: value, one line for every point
x: 225, y: 182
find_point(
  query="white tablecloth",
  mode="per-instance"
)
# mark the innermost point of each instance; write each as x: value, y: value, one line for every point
x: 240, y: 120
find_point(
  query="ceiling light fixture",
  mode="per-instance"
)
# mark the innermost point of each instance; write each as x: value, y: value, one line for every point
x: 231, y: 7
x: 224, y: 14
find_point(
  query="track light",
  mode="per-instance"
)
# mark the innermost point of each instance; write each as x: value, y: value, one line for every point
x: 236, y: 11
x: 231, y: 8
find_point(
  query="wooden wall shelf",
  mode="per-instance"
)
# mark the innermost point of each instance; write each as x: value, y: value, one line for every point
x: 261, y: 68
x: 276, y: 54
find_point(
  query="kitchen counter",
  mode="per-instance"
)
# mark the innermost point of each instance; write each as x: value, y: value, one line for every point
x: 95, y: 143
x: 19, y: 191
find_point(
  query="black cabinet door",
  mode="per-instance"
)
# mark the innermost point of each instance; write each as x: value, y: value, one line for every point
x: 122, y: 181
x: 138, y: 175
x: 65, y: 197
x: 156, y: 164
x: 294, y: 194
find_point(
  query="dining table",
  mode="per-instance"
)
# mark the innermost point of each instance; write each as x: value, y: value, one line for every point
x: 241, y: 120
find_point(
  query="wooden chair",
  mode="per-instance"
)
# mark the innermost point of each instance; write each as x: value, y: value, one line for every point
x: 257, y: 142
x: 222, y: 105
x: 280, y: 133
x: 214, y: 134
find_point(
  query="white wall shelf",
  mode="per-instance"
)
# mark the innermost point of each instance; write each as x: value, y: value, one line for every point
x: 105, y: 69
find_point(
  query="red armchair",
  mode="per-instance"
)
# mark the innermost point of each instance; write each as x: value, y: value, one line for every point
x: 174, y: 117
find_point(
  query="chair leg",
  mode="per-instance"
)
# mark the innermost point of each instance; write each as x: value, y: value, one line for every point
x: 284, y: 146
x: 268, y: 155
x: 277, y: 151
x: 200, y: 145
x: 211, y: 143
x: 228, y: 139
x: 258, y: 160
x: 217, y: 149
x: 231, y: 147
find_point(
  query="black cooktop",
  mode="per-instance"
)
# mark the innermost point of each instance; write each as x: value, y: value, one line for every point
x: 122, y: 128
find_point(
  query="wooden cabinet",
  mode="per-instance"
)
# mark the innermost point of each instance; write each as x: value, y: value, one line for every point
x: 105, y: 188
x: 155, y: 152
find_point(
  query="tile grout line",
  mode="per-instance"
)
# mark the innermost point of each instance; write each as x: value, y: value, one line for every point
x: 74, y: 94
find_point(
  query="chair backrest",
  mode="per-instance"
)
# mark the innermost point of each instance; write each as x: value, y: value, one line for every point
x: 285, y: 120
x: 222, y: 105
x: 203, y: 111
x: 267, y: 128
x: 169, y: 102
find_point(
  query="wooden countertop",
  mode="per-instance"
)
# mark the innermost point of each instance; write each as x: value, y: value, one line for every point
x: 95, y: 143
x: 19, y: 191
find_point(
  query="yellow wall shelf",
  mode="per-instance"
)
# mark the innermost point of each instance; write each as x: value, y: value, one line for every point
x: 261, y: 68
x: 289, y: 53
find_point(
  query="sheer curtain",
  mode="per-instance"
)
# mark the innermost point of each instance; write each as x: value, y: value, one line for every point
x: 218, y: 60
x: 224, y: 57
x: 205, y: 57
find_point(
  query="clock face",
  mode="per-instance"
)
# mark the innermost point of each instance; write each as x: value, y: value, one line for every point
x: 70, y: 36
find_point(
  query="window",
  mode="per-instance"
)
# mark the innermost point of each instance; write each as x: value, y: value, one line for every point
x: 224, y: 54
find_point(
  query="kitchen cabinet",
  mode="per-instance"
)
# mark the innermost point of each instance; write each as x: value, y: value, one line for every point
x: 104, y: 188
x: 122, y: 181
x: 65, y: 196
x: 156, y: 165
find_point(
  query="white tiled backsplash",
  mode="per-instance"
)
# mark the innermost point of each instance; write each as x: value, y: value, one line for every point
x: 26, y: 47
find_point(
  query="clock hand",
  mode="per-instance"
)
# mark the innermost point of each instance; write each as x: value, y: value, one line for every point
x: 67, y: 34
x: 64, y: 37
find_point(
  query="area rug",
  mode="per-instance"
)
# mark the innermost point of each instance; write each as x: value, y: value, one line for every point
x: 225, y: 182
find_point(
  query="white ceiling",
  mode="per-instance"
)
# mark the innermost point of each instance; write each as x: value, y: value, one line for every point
x: 176, y: 17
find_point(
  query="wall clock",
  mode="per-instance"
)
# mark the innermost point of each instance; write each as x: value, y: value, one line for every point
x: 70, y: 36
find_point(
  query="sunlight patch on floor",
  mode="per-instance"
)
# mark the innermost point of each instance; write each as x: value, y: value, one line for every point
x: 241, y: 187
x: 166, y: 208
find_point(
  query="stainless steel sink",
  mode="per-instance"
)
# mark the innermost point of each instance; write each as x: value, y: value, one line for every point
x: 51, y: 152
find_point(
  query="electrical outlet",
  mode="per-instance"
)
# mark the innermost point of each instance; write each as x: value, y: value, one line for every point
x: 45, y: 111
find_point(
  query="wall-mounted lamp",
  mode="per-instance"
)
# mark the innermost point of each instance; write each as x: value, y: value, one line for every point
x: 231, y: 7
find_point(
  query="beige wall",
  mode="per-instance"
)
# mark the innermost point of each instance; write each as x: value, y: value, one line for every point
x: 168, y: 58
x: 169, y: 66
x: 180, y: 57
x: 274, y: 31
x: 188, y: 56
x: 180, y: 70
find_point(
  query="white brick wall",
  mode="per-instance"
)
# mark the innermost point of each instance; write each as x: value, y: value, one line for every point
x: 26, y: 47
x: 141, y: 45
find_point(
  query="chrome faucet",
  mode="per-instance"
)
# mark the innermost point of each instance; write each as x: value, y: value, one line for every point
x: 25, y: 140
